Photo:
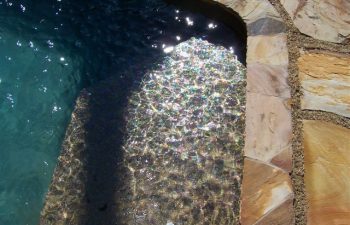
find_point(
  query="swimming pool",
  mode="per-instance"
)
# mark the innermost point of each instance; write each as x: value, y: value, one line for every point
x: 49, y: 51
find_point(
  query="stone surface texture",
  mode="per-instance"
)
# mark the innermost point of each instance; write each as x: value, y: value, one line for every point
x: 267, y: 196
x: 327, y: 20
x: 252, y: 11
x: 268, y: 50
x: 266, y: 26
x: 281, y: 214
x: 268, y: 80
x: 268, y: 127
x: 325, y: 80
x: 327, y: 169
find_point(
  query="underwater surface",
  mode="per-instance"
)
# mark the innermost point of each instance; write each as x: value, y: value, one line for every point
x: 184, y: 141
x: 49, y: 51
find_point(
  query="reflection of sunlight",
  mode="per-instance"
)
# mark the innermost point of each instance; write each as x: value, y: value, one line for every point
x: 212, y: 26
x: 168, y: 49
x: 189, y: 21
x: 50, y: 43
x: 23, y: 8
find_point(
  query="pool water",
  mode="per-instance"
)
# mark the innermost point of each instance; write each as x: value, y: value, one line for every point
x: 184, y: 139
x: 37, y: 92
x: 49, y: 51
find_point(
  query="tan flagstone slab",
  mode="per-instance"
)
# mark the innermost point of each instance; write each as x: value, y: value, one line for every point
x: 268, y: 80
x: 270, y: 50
x: 325, y: 80
x: 266, y: 26
x: 282, y: 215
x: 251, y: 11
x: 283, y: 160
x: 327, y: 173
x: 327, y: 20
x: 268, y: 126
x: 265, y: 189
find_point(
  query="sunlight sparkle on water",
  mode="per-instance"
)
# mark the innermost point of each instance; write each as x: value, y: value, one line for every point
x: 50, y: 43
x: 168, y: 49
x: 212, y: 26
x: 23, y: 8
x: 189, y: 21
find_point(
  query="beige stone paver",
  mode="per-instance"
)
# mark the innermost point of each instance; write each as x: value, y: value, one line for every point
x: 268, y: 127
x: 327, y: 170
x: 327, y: 20
x: 267, y: 194
x: 268, y: 80
x: 325, y: 80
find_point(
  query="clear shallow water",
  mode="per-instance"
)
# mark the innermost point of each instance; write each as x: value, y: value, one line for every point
x: 49, y: 51
x: 37, y: 91
x: 184, y: 139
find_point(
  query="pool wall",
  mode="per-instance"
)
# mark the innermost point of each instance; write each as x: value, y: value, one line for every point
x: 297, y: 120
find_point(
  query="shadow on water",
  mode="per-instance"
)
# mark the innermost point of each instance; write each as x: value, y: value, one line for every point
x: 103, y: 152
x: 106, y: 177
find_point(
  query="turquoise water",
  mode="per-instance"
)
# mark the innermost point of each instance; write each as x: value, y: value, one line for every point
x: 38, y: 86
x: 49, y: 51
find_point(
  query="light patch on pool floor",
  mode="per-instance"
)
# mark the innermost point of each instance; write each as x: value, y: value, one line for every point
x: 184, y: 139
